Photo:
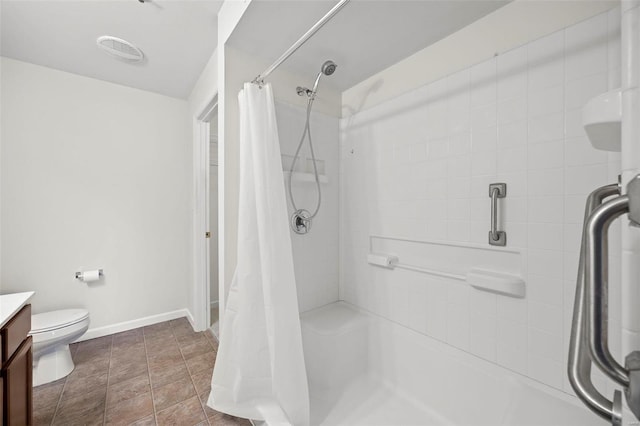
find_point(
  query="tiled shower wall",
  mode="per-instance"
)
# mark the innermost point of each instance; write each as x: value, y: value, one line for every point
x: 419, y: 166
x: 315, y: 255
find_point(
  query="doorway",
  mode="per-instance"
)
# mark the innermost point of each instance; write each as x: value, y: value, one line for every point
x: 213, y: 224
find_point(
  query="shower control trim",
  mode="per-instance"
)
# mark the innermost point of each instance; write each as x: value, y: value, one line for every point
x: 496, y: 238
x: 301, y: 221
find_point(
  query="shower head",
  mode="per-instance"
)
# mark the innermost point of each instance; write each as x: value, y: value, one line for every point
x: 328, y: 68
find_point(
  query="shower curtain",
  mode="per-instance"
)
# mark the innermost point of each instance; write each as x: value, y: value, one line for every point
x: 260, y: 372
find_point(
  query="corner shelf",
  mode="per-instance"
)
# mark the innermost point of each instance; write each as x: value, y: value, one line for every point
x: 602, y: 119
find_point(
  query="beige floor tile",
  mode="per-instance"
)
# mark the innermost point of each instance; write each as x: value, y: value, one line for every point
x: 198, y: 348
x: 128, y: 389
x: 202, y: 381
x: 170, y: 394
x: 130, y: 410
x: 48, y: 395
x: 78, y: 386
x: 203, y: 362
x: 171, y: 374
x: 186, y: 413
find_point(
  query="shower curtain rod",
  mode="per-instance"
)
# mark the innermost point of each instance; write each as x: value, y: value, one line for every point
x: 302, y: 40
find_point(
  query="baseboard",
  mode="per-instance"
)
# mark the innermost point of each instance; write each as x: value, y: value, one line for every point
x: 214, y: 304
x: 191, y: 320
x: 93, y: 333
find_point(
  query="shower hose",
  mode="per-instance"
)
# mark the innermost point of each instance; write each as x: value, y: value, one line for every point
x: 306, y: 132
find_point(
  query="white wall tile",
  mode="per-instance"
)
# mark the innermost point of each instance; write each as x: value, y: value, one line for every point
x: 546, y: 209
x: 545, y: 290
x: 545, y: 182
x: 546, y: 371
x: 546, y: 61
x: 482, y: 338
x: 547, y: 127
x: 545, y: 101
x: 512, y: 74
x: 579, y: 152
x: 483, y: 116
x: 422, y: 169
x: 511, y: 135
x: 458, y: 325
x: 483, y: 83
x: 511, y: 160
x: 511, y: 109
x: 483, y: 163
x: 460, y: 143
x: 586, y: 47
x: 545, y: 155
x: 484, y: 139
x: 546, y: 344
x: 583, y: 180
x: 547, y: 236
x: 512, y: 310
x: 581, y: 90
x: 547, y: 263
x: 511, y: 348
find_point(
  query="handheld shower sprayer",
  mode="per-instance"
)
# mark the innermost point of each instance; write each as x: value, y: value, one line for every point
x: 301, y: 218
x: 328, y: 68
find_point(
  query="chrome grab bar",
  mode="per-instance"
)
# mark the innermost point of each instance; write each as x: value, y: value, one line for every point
x: 594, y: 297
x: 579, y: 364
x: 596, y: 281
x: 496, y: 238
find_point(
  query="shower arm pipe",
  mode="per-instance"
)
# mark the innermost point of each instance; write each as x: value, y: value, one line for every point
x: 302, y: 40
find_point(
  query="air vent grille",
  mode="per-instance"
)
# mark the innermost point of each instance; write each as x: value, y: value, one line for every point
x: 120, y: 48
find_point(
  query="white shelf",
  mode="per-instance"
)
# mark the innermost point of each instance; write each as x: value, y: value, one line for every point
x: 496, y: 282
x: 306, y: 177
x: 602, y: 119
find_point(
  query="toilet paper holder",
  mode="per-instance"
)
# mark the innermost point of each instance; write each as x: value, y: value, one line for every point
x: 80, y: 274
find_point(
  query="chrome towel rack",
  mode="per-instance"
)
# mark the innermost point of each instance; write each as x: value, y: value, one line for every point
x: 589, y: 332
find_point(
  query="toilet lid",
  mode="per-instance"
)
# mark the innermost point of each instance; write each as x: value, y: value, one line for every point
x: 47, y: 321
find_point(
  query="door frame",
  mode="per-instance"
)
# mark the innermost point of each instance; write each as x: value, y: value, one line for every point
x: 201, y: 245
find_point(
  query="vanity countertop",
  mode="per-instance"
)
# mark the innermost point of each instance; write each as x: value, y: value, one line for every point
x: 11, y: 304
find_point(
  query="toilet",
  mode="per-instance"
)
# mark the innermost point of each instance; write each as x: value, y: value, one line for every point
x: 52, y: 333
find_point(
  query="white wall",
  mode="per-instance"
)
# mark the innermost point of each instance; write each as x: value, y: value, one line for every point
x: 94, y: 175
x: 316, y: 255
x: 508, y: 27
x: 418, y: 166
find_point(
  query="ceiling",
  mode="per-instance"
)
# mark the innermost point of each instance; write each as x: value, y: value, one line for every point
x: 365, y: 37
x: 177, y: 38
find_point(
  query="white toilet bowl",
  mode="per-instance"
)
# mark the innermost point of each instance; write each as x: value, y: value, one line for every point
x: 52, y: 333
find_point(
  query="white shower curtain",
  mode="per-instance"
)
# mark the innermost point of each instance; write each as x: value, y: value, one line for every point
x: 260, y: 371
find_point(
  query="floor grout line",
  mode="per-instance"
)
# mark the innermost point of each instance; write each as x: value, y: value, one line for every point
x: 146, y: 354
x: 204, y: 412
x: 106, y: 394
x: 55, y: 412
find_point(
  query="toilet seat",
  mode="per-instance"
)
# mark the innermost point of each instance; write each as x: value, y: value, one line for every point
x: 48, y: 321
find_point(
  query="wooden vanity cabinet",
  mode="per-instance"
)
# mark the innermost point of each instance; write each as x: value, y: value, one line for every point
x: 17, y: 369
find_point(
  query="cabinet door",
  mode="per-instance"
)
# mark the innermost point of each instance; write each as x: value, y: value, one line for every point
x: 18, y: 386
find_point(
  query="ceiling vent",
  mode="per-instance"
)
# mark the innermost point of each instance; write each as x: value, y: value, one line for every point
x: 120, y: 49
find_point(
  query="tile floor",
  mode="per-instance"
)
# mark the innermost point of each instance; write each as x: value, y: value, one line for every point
x: 156, y: 375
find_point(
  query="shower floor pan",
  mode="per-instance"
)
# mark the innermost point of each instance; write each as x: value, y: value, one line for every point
x: 366, y: 370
